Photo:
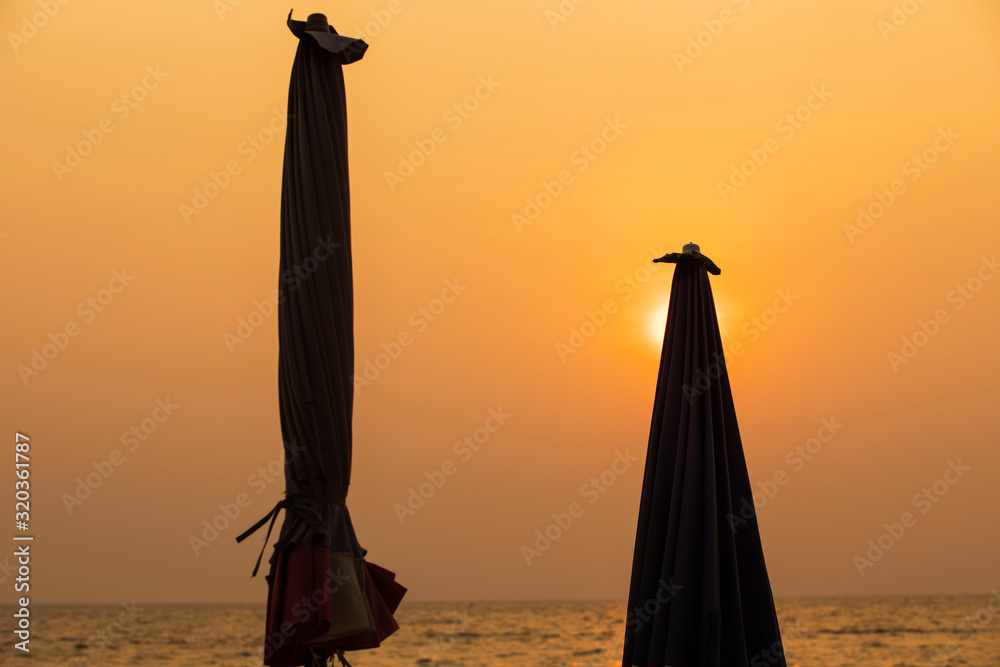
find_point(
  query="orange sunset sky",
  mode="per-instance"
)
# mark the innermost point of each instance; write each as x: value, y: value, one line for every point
x: 514, y: 166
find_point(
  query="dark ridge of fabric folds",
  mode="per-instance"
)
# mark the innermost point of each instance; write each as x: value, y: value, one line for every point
x: 700, y: 594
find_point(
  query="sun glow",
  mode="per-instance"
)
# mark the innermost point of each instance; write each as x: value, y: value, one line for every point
x: 656, y: 319
x: 657, y: 322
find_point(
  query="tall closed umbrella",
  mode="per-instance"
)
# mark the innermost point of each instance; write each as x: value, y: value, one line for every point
x: 700, y: 595
x: 323, y: 597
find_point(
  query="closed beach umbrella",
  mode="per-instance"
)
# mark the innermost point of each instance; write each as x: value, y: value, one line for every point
x: 700, y: 595
x: 323, y: 596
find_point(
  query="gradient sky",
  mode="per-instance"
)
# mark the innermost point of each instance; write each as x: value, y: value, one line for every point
x: 206, y: 91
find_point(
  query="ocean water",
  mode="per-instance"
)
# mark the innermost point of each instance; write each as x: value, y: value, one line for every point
x: 818, y: 632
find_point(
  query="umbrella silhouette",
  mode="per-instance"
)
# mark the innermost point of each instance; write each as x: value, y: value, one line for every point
x: 700, y: 595
x: 323, y: 596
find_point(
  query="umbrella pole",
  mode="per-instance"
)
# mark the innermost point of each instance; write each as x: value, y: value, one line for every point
x: 319, y: 660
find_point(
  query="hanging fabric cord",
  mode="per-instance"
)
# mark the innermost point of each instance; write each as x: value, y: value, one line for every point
x: 304, y: 504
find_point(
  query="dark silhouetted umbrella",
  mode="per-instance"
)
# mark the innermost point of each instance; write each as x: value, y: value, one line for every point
x: 323, y: 597
x: 700, y: 595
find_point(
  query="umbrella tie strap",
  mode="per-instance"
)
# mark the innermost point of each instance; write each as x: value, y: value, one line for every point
x: 306, y: 504
x: 294, y: 501
x: 273, y: 516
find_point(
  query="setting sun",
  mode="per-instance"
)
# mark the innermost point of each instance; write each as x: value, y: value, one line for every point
x: 657, y: 323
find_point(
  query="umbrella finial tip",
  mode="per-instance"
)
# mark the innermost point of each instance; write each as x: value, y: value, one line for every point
x: 691, y: 248
x: 317, y: 22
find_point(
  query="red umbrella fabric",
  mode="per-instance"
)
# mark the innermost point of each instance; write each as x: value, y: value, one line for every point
x: 700, y: 594
x: 323, y: 596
